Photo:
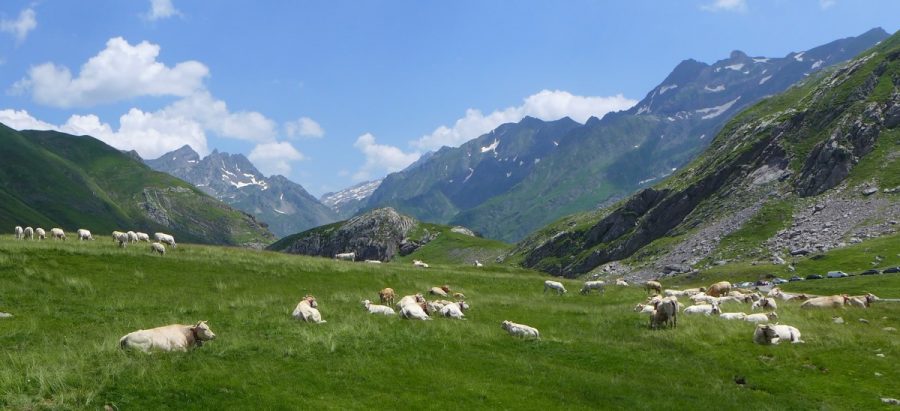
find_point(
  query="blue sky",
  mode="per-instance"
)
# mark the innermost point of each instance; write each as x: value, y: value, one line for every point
x: 334, y: 92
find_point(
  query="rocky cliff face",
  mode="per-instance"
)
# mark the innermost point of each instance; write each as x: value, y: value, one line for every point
x: 802, y: 144
x: 376, y: 235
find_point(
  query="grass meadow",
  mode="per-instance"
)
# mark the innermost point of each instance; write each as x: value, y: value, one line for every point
x: 72, y: 301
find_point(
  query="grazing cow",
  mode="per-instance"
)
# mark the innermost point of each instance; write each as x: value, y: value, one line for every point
x: 386, y: 296
x: 143, y: 236
x: 832, y: 301
x: 377, y: 309
x: 705, y: 309
x: 19, y: 232
x: 307, y: 310
x: 121, y: 238
x: 132, y: 237
x: 165, y: 239
x: 652, y: 286
x: 520, y: 330
x: 666, y: 313
x: 774, y: 333
x: 761, y: 317
x: 719, y: 289
x: 84, y: 235
x: 345, y: 256
x: 621, y: 282
x: 420, y: 263
x: 58, y: 234
x: 28, y: 233
x: 554, y: 285
x: 592, y: 285
x: 40, y: 233
x: 732, y: 316
x: 175, y: 337
x: 765, y: 304
x: 158, y: 248
x: 455, y: 310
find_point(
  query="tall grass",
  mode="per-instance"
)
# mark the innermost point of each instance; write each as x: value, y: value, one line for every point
x: 74, y: 300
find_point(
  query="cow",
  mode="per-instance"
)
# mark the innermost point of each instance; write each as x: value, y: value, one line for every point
x: 175, y: 337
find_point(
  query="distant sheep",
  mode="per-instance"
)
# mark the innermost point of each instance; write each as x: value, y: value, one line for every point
x: 592, y: 285
x: 158, y: 248
x: 84, y: 235
x: 165, y: 239
x: 774, y: 333
x: 520, y: 330
x: 307, y: 310
x: 554, y: 285
x: 58, y: 234
x: 345, y: 256
x: 28, y: 233
x: 761, y: 318
x: 19, y: 232
x: 377, y: 309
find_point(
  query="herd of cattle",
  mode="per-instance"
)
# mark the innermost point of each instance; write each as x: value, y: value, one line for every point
x: 122, y: 238
x: 662, y: 306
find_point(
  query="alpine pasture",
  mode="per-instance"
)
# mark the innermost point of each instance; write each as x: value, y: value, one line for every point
x: 72, y: 301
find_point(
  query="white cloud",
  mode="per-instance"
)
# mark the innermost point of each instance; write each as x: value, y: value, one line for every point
x: 304, y: 127
x: 827, y: 4
x: 545, y: 105
x: 214, y: 115
x: 21, y: 120
x: 380, y: 157
x: 275, y: 157
x: 20, y: 27
x: 726, y: 5
x: 120, y: 71
x: 161, y: 9
x: 150, y: 134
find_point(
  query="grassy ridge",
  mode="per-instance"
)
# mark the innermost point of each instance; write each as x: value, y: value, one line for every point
x: 74, y: 300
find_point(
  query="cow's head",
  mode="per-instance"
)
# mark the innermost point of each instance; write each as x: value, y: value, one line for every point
x: 504, y: 325
x: 202, y: 332
x: 311, y: 301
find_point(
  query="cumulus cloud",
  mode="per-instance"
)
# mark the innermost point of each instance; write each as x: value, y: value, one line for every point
x: 303, y: 127
x: 726, y: 5
x: 161, y: 9
x: 545, y: 105
x: 21, y: 26
x: 213, y: 115
x: 275, y: 157
x: 120, y: 71
x: 150, y: 134
x: 380, y: 157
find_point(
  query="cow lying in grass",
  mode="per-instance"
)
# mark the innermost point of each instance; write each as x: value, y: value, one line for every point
x: 175, y: 337
x: 307, y: 310
x: 520, y: 330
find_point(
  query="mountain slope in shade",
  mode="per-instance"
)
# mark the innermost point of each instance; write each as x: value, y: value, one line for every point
x: 812, y: 169
x: 348, y: 201
x: 50, y: 179
x: 605, y: 159
x: 285, y: 206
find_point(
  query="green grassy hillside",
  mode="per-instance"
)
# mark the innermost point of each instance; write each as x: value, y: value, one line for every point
x: 73, y: 301
x: 50, y: 179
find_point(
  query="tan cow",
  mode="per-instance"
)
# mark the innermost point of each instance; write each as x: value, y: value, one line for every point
x: 307, y: 310
x: 386, y: 295
x: 651, y: 286
x: 719, y: 289
x: 831, y: 301
x: 175, y: 337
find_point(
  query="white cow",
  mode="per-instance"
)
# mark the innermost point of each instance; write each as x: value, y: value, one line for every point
x: 520, y: 330
x: 420, y: 263
x: 165, y: 239
x: 121, y: 238
x: 478, y: 264
x: 761, y: 317
x: 554, y: 285
x: 18, y: 232
x: 28, y: 233
x: 621, y: 282
x: 132, y: 237
x: 765, y: 304
x: 58, y: 234
x: 410, y: 299
x: 345, y: 256
x: 592, y: 285
x: 40, y: 233
x: 307, y: 310
x: 84, y: 235
x: 733, y: 316
x: 143, y: 236
x: 705, y: 309
x: 775, y: 333
x: 455, y: 310
x: 413, y: 311
x: 377, y: 309
x: 158, y: 248
x: 175, y: 337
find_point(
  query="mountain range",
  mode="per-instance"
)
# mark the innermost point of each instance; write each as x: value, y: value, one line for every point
x: 522, y: 176
x: 347, y: 202
x: 51, y: 179
x: 282, y: 204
